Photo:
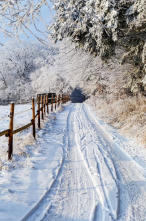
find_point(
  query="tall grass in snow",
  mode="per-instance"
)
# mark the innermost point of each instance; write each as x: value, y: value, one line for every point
x: 128, y: 115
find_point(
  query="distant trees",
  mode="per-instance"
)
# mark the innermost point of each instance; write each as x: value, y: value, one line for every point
x: 18, y: 61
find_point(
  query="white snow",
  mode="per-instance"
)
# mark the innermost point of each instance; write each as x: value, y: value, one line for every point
x: 79, y: 168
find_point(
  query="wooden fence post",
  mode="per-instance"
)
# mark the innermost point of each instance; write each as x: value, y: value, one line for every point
x: 44, y: 104
x: 39, y: 112
x: 55, y: 101
x: 47, y: 103
x: 33, y: 117
x: 42, y: 108
x: 58, y: 99
x: 10, y: 144
x: 52, y: 103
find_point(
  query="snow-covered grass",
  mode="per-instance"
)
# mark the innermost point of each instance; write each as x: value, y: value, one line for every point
x: 128, y: 114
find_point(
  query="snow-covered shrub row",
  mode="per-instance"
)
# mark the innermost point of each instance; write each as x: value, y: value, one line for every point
x: 26, y: 69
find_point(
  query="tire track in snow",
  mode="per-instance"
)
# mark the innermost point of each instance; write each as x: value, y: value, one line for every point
x: 113, y: 215
x: 116, y: 175
x: 100, y: 207
x: 87, y: 131
x: 72, y: 188
x: 76, y: 193
x: 124, y: 208
x: 101, y: 210
x: 131, y: 178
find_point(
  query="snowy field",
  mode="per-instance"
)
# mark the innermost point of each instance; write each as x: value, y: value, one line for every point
x: 79, y: 168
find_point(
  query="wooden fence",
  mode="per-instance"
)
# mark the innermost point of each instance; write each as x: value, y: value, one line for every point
x: 43, y: 103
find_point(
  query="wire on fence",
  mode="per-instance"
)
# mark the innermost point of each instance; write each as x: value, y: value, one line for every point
x: 3, y: 118
x: 22, y: 112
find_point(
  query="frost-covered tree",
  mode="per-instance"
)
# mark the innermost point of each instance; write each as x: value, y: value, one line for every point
x: 81, y: 70
x: 91, y: 24
x: 97, y: 26
x: 17, y: 15
x: 100, y: 26
x: 17, y: 62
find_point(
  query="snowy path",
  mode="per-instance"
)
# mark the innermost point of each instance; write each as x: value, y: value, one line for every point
x: 96, y: 180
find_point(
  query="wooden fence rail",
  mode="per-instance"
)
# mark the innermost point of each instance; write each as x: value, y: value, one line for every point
x: 42, y: 100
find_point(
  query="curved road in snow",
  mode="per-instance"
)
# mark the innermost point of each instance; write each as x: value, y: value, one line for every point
x: 97, y: 180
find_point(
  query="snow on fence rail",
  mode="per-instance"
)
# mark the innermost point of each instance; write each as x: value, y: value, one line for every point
x: 43, y: 101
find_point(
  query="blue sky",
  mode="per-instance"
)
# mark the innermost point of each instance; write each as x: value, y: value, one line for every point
x: 46, y: 15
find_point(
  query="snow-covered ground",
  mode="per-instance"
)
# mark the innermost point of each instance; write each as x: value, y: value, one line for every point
x: 79, y: 168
